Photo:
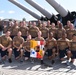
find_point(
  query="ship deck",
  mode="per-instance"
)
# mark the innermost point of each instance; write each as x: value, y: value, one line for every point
x: 27, y: 68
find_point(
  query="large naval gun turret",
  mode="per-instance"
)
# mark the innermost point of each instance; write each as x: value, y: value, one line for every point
x: 39, y: 8
x: 63, y: 15
x: 66, y: 15
x: 47, y: 14
x: 25, y: 9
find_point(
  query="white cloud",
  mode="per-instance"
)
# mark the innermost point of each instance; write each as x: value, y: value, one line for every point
x: 30, y: 18
x: 2, y: 11
x: 22, y: 16
x: 1, y: 17
x: 27, y: 17
x: 11, y: 12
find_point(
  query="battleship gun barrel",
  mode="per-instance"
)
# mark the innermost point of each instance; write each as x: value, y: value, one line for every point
x: 63, y: 12
x: 66, y: 15
x: 39, y: 8
x: 25, y: 9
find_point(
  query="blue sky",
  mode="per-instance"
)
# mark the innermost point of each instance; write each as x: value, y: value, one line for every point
x: 9, y: 10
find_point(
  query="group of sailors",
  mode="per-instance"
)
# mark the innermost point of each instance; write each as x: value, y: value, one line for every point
x: 59, y: 40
